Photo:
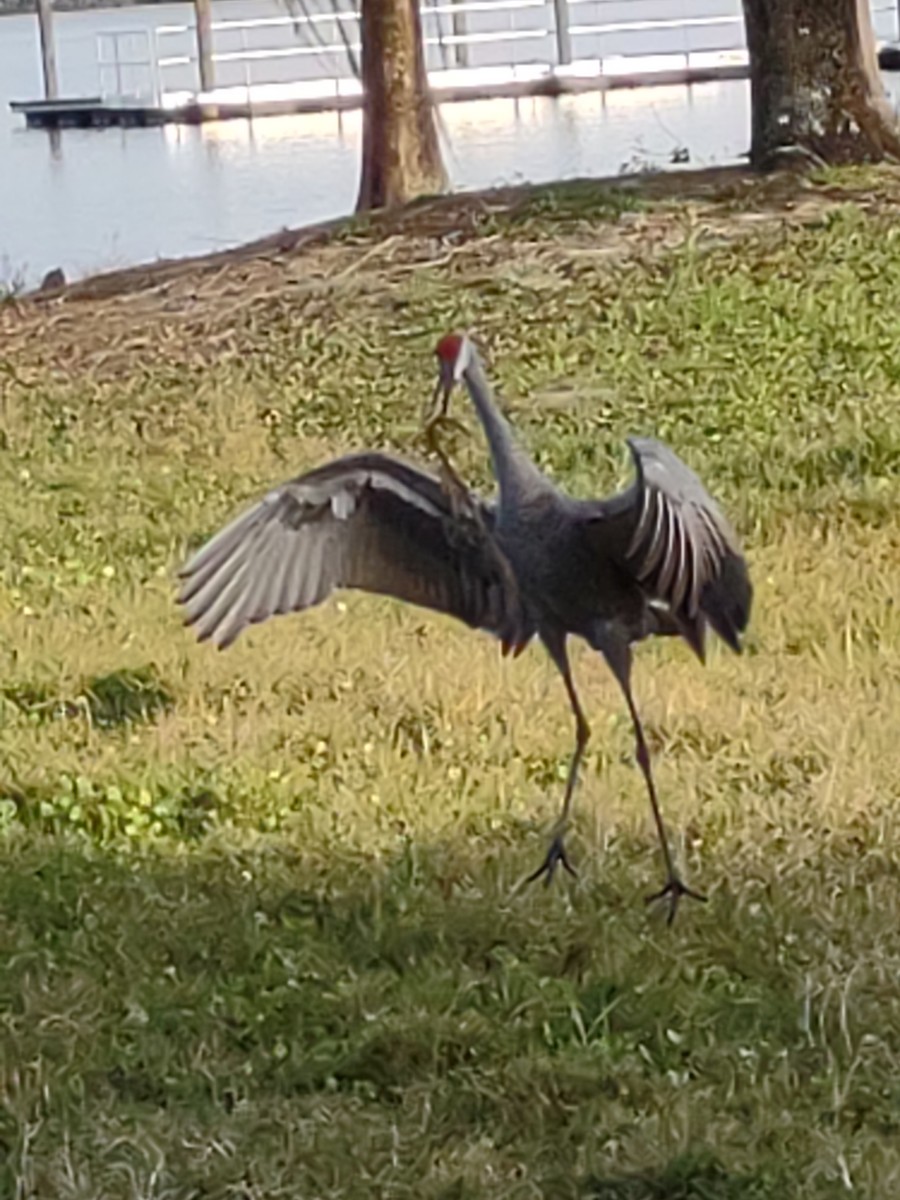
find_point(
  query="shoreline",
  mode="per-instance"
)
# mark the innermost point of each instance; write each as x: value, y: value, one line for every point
x: 206, y: 309
x: 703, y: 183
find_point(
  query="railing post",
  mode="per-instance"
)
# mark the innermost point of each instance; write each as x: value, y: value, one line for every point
x: 118, y: 60
x: 458, y: 20
x: 563, y: 37
x: 245, y: 62
x: 153, y: 53
x: 48, y: 49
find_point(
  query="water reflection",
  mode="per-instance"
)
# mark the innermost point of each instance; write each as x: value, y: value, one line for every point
x: 87, y: 200
x: 104, y: 198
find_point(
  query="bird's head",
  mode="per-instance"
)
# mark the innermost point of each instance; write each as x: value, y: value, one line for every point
x: 454, y: 354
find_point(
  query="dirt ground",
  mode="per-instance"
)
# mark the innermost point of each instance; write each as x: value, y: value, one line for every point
x: 195, y: 309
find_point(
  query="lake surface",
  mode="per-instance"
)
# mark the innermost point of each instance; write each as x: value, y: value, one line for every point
x: 88, y: 200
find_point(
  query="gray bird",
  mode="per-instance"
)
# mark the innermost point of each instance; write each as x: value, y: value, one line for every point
x: 658, y: 558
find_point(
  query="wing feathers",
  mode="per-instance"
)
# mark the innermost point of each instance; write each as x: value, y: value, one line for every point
x: 365, y: 521
x: 682, y: 549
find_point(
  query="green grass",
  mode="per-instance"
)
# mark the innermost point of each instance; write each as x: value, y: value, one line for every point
x: 260, y: 922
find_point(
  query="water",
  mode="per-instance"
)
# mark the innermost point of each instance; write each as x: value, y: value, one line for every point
x: 88, y: 200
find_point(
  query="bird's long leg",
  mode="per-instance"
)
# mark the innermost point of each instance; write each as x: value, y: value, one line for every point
x: 619, y: 658
x: 556, y: 855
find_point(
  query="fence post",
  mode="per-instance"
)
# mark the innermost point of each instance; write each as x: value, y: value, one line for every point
x: 48, y: 49
x: 115, y: 41
x: 153, y: 55
x: 458, y: 24
x: 563, y: 37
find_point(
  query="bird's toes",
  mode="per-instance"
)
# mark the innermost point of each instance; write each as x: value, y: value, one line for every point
x: 673, y: 890
x: 556, y: 856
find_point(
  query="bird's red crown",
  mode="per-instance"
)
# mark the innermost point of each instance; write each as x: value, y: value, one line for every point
x: 448, y: 347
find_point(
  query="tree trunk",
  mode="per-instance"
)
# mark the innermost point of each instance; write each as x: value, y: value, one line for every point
x: 814, y: 83
x: 48, y: 49
x: 401, y: 157
x: 203, y: 17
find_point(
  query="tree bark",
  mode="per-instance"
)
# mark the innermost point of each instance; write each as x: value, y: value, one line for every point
x: 203, y: 17
x: 814, y: 83
x: 48, y: 49
x: 401, y: 157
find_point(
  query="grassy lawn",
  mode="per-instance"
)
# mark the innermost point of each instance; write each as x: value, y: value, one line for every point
x: 260, y: 923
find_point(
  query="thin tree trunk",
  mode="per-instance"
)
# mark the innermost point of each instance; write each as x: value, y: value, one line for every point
x: 48, y: 49
x: 814, y: 83
x: 203, y: 17
x: 401, y: 156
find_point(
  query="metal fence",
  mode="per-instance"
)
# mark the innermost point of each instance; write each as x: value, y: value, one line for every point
x: 312, y: 53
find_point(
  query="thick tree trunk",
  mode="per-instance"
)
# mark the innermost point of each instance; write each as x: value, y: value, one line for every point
x: 814, y: 83
x: 401, y: 156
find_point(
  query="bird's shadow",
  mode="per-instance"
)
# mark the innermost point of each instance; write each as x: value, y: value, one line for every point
x: 122, y: 697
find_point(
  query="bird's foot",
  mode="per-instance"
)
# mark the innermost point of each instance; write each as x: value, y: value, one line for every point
x: 430, y: 428
x: 672, y: 892
x: 453, y: 486
x: 455, y: 490
x: 556, y: 856
x: 436, y: 424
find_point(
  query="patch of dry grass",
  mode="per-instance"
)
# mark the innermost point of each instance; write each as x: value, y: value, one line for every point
x: 258, y: 911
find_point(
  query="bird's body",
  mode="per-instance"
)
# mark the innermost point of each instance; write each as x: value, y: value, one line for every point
x: 658, y: 558
x: 578, y: 571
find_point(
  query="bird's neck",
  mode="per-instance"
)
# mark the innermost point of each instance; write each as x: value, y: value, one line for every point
x: 514, y: 469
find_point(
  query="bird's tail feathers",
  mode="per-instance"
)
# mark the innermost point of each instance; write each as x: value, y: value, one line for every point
x: 669, y: 623
x: 725, y: 601
x: 724, y: 605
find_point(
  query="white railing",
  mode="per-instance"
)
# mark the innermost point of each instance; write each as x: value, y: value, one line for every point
x: 310, y: 53
x: 127, y: 65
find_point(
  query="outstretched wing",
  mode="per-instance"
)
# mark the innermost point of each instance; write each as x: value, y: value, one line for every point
x: 681, y: 548
x: 366, y: 521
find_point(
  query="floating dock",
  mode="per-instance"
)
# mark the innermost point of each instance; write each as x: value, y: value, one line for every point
x: 95, y: 112
x: 85, y: 112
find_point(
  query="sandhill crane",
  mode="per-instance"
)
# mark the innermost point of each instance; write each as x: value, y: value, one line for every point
x: 658, y: 558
